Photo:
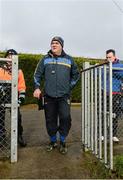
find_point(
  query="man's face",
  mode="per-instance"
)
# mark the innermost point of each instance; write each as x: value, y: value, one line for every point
x: 110, y: 57
x: 56, y: 47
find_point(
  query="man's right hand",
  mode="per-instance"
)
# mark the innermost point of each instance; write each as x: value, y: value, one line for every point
x: 37, y: 93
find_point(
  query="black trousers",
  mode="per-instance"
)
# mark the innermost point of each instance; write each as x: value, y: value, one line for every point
x: 57, y: 109
x: 2, y: 122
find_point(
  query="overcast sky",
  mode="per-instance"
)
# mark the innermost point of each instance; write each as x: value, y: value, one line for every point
x: 88, y: 27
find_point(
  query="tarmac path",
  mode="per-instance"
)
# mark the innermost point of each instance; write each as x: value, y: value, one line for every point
x: 35, y: 163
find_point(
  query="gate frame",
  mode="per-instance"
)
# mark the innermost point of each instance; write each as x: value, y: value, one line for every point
x: 85, y: 109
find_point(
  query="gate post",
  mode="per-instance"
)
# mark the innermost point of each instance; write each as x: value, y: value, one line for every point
x: 110, y: 115
x: 84, y: 107
x: 14, y: 108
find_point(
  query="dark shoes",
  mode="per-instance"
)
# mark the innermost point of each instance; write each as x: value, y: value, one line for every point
x: 21, y: 141
x: 63, y: 148
x: 51, y: 146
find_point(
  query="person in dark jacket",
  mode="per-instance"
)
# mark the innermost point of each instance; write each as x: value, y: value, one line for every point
x: 117, y: 89
x: 60, y: 76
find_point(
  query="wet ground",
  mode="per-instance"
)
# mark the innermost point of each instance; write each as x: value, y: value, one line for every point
x: 35, y: 162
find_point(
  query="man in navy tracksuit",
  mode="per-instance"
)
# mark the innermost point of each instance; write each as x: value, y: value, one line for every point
x: 117, y: 89
x: 60, y: 76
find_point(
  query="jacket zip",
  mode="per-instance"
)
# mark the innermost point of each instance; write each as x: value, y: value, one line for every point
x: 56, y: 77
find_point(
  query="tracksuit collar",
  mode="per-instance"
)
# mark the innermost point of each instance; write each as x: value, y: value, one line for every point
x: 52, y: 55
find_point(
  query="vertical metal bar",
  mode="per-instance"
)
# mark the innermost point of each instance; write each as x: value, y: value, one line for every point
x: 105, y: 116
x: 14, y: 108
x: 89, y: 137
x: 110, y: 115
x: 86, y: 65
x: 86, y: 125
x: 95, y: 110
x: 82, y: 105
x: 92, y: 110
x: 100, y: 115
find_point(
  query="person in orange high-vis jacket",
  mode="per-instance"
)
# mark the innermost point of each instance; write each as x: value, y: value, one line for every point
x: 5, y: 74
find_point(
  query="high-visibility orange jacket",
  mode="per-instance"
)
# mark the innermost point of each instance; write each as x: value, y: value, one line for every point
x: 5, y: 75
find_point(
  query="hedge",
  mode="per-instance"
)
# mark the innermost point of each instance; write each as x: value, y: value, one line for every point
x: 28, y: 63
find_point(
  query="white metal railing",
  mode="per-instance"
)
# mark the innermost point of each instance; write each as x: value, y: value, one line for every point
x: 94, y: 111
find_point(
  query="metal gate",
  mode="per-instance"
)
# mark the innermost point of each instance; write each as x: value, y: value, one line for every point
x: 97, y: 111
x: 8, y: 111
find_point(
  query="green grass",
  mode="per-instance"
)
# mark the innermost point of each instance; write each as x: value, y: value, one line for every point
x: 118, y: 165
